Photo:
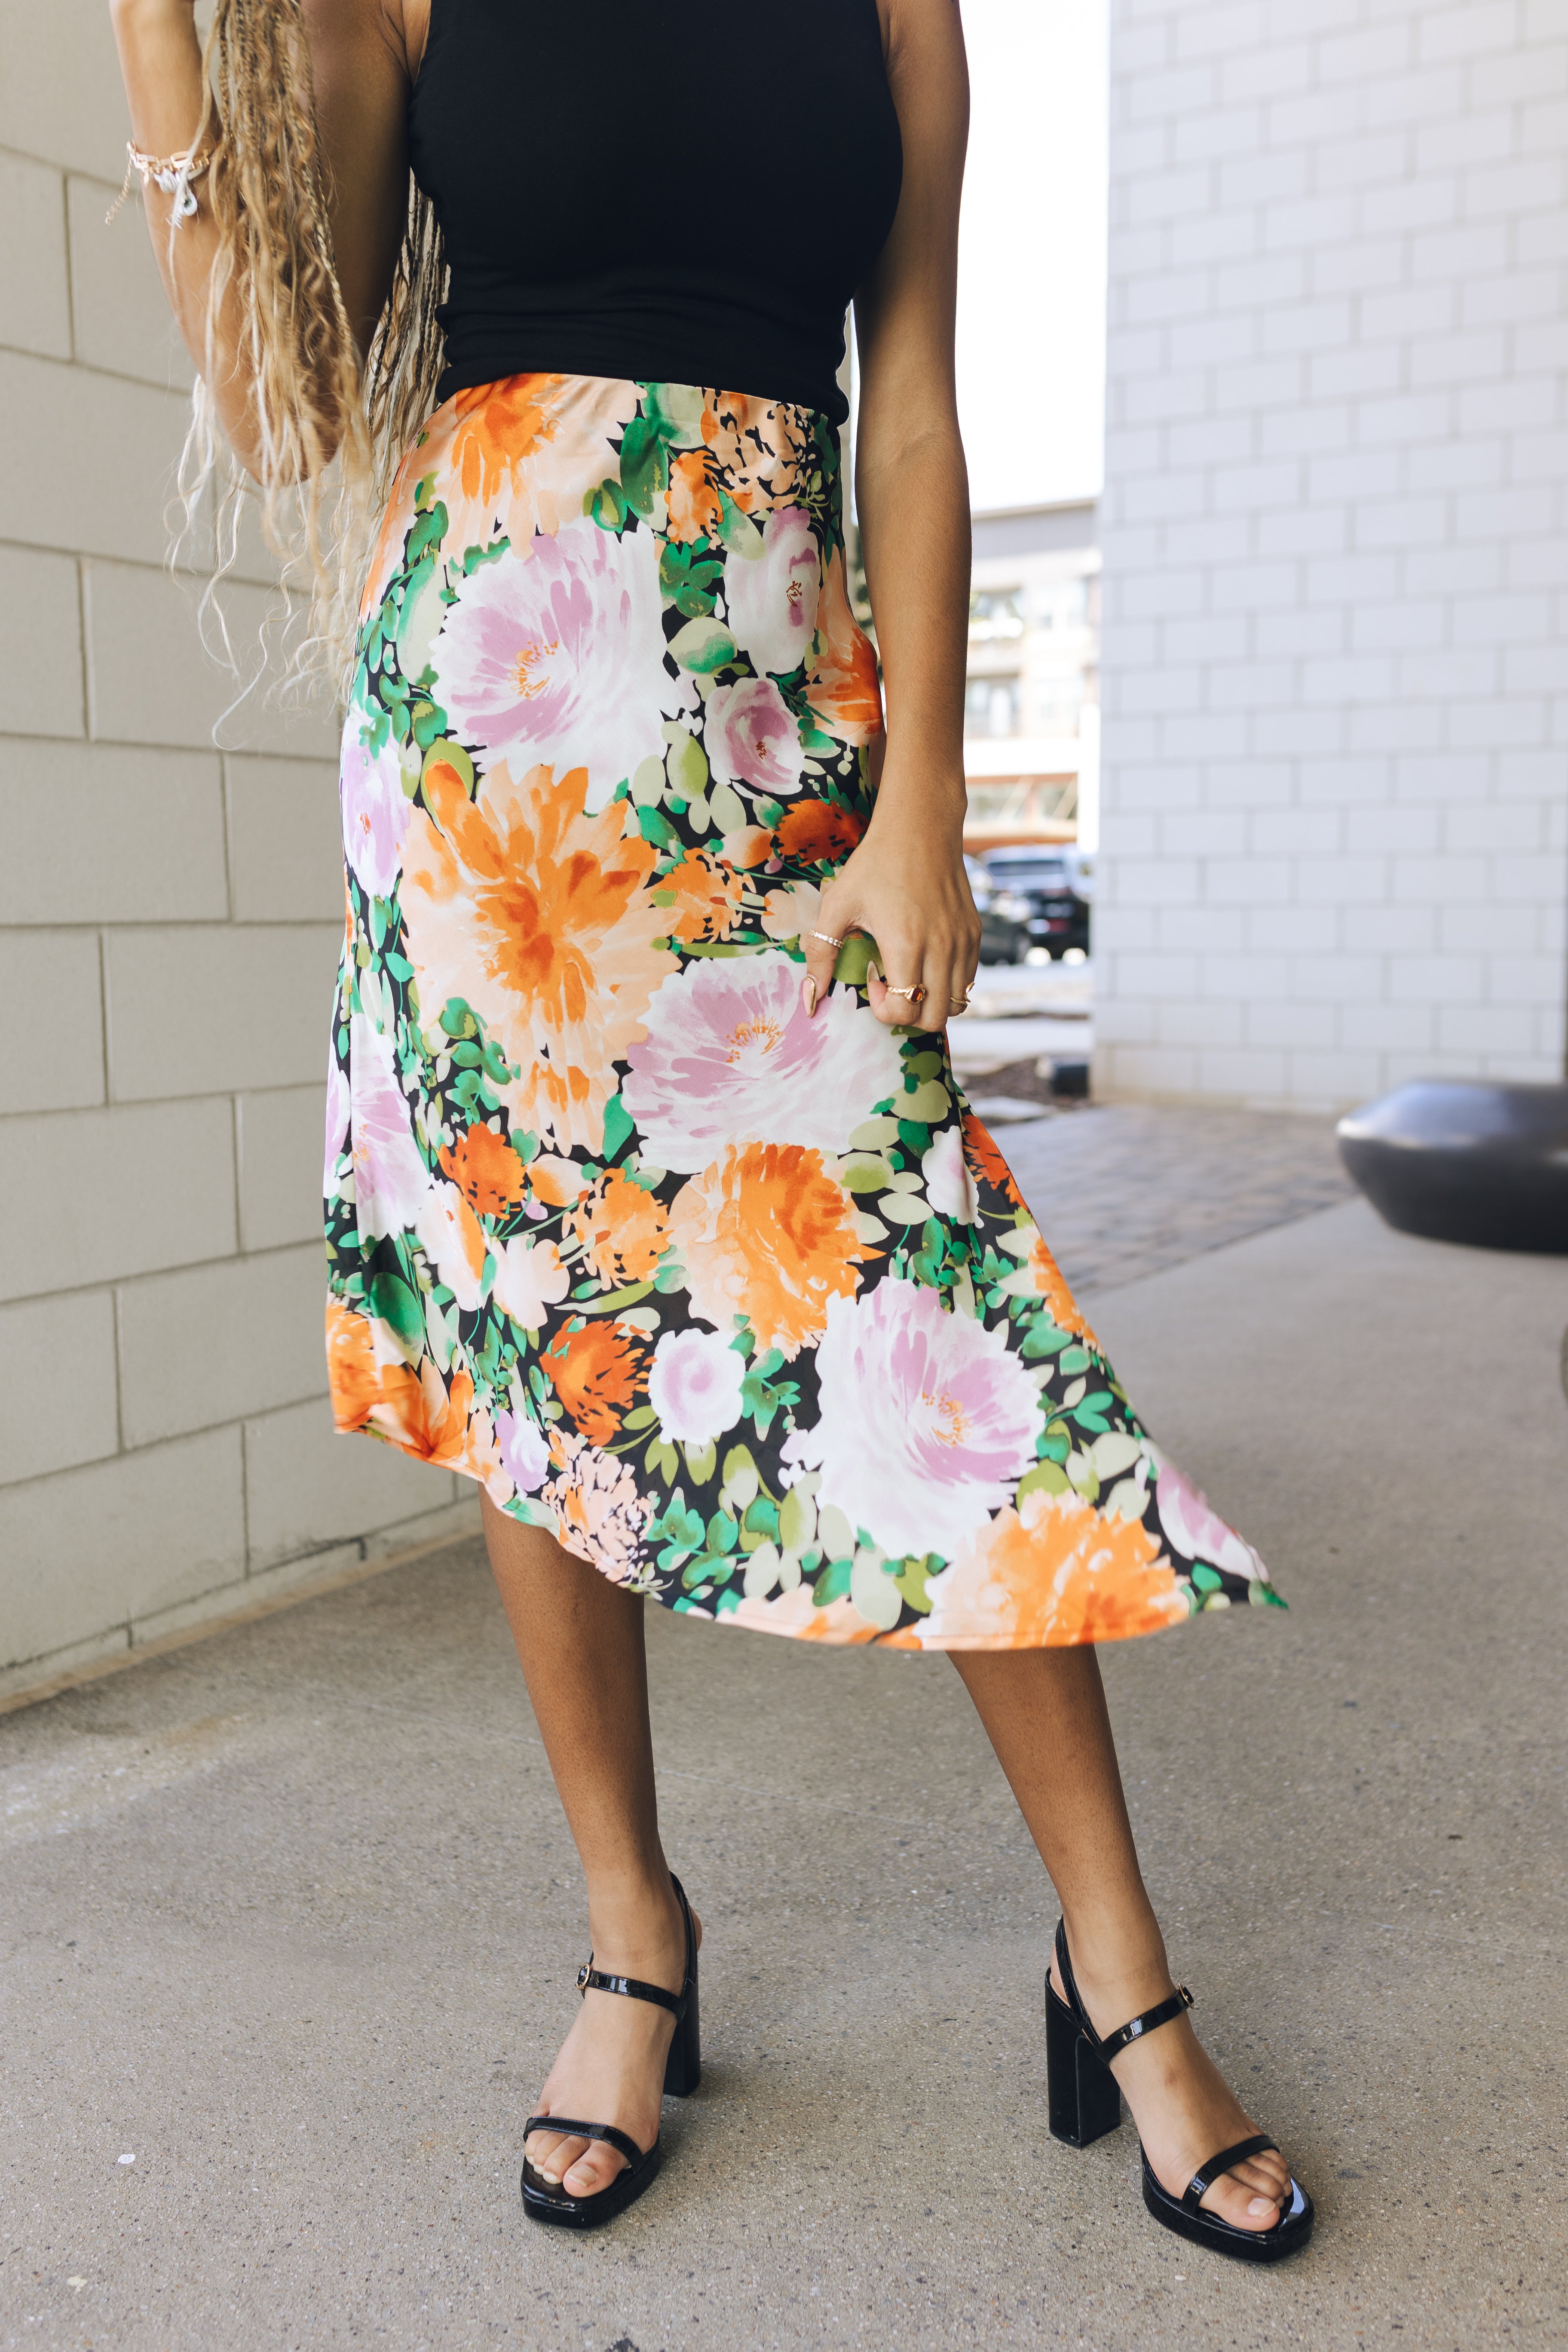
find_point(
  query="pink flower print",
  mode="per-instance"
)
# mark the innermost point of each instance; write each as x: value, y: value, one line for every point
x: 927, y: 1422
x: 695, y: 1385
x: 751, y: 738
x: 553, y: 655
x: 375, y: 812
x: 1194, y: 1529
x: 730, y: 1057
x: 523, y: 1450
x: 949, y: 1186
x: 390, y: 1176
x: 771, y: 597
x: 337, y: 1127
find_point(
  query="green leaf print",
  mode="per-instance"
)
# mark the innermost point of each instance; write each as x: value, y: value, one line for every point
x: 759, y: 1396
x: 677, y: 410
x: 1043, y: 1338
x: 645, y: 466
x: 703, y: 646
x: 655, y: 828
x: 833, y: 1583
x: 403, y: 1314
x: 1045, y: 1477
x: 686, y: 764
x: 618, y: 1126
x: 687, y: 579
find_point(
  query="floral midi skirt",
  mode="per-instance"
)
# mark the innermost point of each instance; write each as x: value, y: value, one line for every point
x: 743, y: 1307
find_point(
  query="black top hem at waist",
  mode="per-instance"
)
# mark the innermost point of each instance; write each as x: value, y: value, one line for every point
x: 493, y: 363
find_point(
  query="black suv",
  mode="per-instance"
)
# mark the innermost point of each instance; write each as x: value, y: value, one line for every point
x: 1055, y: 884
x: 1004, y: 918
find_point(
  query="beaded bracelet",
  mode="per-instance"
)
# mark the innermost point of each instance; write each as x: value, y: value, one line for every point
x: 173, y: 173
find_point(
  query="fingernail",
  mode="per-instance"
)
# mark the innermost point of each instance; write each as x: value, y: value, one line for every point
x: 808, y: 995
x: 872, y: 973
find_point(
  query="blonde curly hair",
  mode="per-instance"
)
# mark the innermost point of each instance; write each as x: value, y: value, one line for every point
x: 329, y: 424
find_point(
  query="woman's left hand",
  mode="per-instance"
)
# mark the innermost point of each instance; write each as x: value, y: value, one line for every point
x: 905, y: 885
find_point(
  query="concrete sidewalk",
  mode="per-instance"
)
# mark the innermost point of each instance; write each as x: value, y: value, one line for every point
x: 289, y: 1917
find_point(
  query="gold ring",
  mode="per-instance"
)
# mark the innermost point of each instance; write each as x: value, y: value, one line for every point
x: 828, y: 938
x: 958, y: 1004
x: 916, y: 995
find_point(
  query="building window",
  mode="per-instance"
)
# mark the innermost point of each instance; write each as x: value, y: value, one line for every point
x: 1061, y: 703
x: 995, y: 615
x: 991, y: 706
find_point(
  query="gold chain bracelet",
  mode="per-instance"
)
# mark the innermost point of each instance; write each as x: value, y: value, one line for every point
x: 173, y: 173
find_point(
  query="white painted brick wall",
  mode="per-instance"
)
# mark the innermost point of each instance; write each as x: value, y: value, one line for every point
x: 1334, y: 846
x: 168, y: 924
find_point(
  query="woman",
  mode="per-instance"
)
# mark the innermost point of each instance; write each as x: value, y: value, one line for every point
x: 652, y: 1201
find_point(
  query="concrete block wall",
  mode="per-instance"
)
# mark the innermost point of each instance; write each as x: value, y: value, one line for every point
x: 170, y: 914
x: 1335, y: 786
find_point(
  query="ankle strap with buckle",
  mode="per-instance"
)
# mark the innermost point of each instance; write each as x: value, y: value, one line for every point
x: 1111, y: 2046
x: 593, y: 1980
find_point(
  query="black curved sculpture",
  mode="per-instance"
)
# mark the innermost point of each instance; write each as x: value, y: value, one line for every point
x: 1465, y: 1160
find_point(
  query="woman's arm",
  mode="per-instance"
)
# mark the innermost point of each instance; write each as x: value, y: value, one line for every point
x: 361, y: 75
x: 905, y: 884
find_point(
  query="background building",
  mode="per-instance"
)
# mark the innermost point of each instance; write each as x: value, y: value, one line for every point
x: 1032, y: 702
x: 170, y: 917
x: 1336, y: 688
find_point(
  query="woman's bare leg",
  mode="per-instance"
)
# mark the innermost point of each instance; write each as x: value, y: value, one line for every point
x: 1044, y: 1711
x: 580, y: 1639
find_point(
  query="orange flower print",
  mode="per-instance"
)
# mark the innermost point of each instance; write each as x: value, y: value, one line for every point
x: 1055, y: 1571
x: 694, y: 508
x: 526, y: 451
x: 707, y: 898
x: 353, y: 1376
x: 1064, y: 1311
x: 486, y: 1171
x: 842, y: 688
x: 599, y: 1514
x: 541, y: 919
x: 556, y: 1181
x: 622, y: 1229
x: 416, y: 1411
x: 595, y: 1371
x: 522, y: 453
x: 815, y: 832
x: 752, y: 845
x: 980, y: 1146
x: 760, y: 449
x: 768, y: 1233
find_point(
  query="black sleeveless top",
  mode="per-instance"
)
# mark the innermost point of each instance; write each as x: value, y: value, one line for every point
x: 677, y: 191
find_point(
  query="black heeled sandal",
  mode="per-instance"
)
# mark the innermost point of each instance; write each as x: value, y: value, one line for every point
x: 546, y: 2200
x: 1084, y: 2102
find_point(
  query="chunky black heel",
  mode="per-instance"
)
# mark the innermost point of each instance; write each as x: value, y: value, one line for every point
x: 1084, y: 2104
x: 545, y: 2200
x: 1081, y: 2092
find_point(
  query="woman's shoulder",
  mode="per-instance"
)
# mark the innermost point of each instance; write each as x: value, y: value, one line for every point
x: 347, y: 29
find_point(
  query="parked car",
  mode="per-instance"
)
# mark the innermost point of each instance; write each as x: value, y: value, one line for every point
x: 1055, y: 884
x: 1004, y: 917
